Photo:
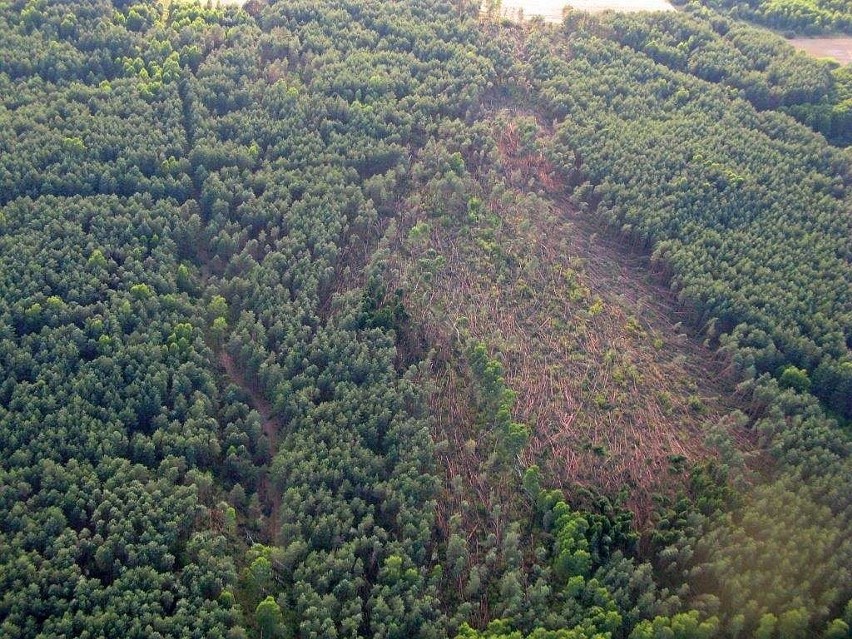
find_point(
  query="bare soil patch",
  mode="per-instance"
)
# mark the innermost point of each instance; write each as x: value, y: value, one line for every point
x: 839, y: 48
x: 552, y: 10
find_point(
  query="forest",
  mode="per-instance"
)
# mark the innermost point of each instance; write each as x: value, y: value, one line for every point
x: 343, y: 318
x: 806, y: 17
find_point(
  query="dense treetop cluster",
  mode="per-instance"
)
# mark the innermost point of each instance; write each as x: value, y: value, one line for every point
x: 213, y: 411
x: 808, y: 17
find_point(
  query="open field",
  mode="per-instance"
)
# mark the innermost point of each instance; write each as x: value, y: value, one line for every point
x: 551, y: 10
x: 839, y: 48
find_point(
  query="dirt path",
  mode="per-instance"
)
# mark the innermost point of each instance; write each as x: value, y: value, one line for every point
x: 267, y: 492
x: 269, y: 497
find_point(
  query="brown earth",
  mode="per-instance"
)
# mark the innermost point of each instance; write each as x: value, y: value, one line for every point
x: 837, y: 48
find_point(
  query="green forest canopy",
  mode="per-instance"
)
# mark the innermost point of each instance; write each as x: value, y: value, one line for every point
x: 214, y: 415
x: 808, y: 17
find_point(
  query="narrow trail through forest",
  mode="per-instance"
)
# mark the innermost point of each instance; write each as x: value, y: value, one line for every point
x: 266, y: 491
x: 269, y: 497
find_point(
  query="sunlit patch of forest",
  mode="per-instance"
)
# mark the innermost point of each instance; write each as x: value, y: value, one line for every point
x: 344, y: 318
